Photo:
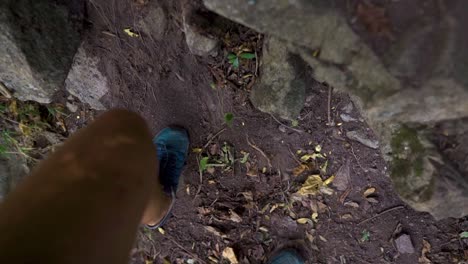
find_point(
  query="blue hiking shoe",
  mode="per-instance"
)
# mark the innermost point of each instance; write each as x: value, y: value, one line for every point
x: 287, y: 256
x: 172, y: 146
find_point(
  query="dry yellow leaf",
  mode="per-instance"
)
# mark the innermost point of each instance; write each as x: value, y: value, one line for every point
x: 313, y: 156
x: 162, y: 231
x: 311, y: 185
x: 303, y: 221
x: 13, y: 108
x: 129, y: 32
x: 228, y: 253
x: 369, y: 191
x: 318, y: 148
x: 197, y: 150
x: 329, y: 180
x: 149, y: 261
x: 315, y: 217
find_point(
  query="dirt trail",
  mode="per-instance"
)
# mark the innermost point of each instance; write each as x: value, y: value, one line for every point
x: 256, y: 214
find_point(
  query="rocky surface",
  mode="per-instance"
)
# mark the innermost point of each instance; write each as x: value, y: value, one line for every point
x: 281, y: 90
x: 85, y: 80
x: 37, y: 45
x: 12, y: 170
x: 403, y: 86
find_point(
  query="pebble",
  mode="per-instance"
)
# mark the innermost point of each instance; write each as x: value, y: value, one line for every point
x: 404, y: 244
x: 347, y: 118
x: 363, y: 139
x: 71, y: 107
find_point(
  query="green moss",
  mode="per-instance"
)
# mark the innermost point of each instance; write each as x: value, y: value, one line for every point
x: 408, y: 160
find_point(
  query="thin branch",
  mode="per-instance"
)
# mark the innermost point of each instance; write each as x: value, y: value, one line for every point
x: 382, y: 213
x: 261, y: 152
x: 213, y: 137
x: 293, y: 129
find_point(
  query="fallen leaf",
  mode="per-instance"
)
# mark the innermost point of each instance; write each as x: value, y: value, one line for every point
x: 166, y: 261
x: 211, y: 170
x: 263, y: 229
x: 273, y: 208
x: 324, y: 167
x: 313, y: 156
x: 303, y: 221
x: 148, y: 261
x: 228, y: 253
x: 315, y: 217
x: 204, y: 210
x: 196, y: 150
x: 369, y: 191
x: 311, y: 185
x: 352, y: 204
x: 162, y: 231
x: 347, y: 216
x: 323, y: 239
x: 342, y: 179
x: 299, y: 169
x: 233, y: 216
x: 215, y: 260
x: 213, y: 231
x: 329, y: 180
x: 245, y: 157
x: 372, y: 200
x: 130, y: 32
x: 426, y: 249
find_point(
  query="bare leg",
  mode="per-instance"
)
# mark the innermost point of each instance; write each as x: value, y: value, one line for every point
x: 85, y: 202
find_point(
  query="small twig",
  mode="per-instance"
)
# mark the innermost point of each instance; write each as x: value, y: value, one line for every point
x: 261, y: 152
x: 256, y: 63
x: 213, y: 137
x: 293, y: 129
x: 357, y: 160
x: 330, y: 122
x: 201, y: 179
x: 382, y: 213
x: 294, y: 156
x: 186, y: 250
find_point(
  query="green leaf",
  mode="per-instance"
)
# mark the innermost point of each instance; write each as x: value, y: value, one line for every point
x: 247, y: 56
x: 203, y: 164
x: 232, y: 57
x: 294, y: 123
x: 365, y: 236
x: 464, y: 235
x: 228, y: 117
x: 235, y: 63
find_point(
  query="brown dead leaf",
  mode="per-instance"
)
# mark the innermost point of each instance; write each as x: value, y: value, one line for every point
x: 375, y: 19
x: 228, y: 253
x: 426, y: 249
x: 214, y: 231
x: 299, y: 169
x: 233, y: 216
x: 248, y: 196
x: 204, y: 210
x: 343, y: 177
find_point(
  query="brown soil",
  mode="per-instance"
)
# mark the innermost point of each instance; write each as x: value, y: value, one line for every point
x: 165, y: 83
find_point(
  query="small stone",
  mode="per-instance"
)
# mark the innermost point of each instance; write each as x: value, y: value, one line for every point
x: 71, y: 107
x: 347, y: 118
x: 282, y: 128
x: 404, y: 244
x: 363, y: 139
x: 198, y: 44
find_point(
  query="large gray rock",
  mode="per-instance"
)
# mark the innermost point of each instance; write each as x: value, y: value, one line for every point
x: 12, y: 170
x: 419, y: 80
x: 279, y: 91
x: 37, y: 42
x: 85, y: 80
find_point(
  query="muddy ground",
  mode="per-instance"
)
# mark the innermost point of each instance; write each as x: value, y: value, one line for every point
x: 250, y: 204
